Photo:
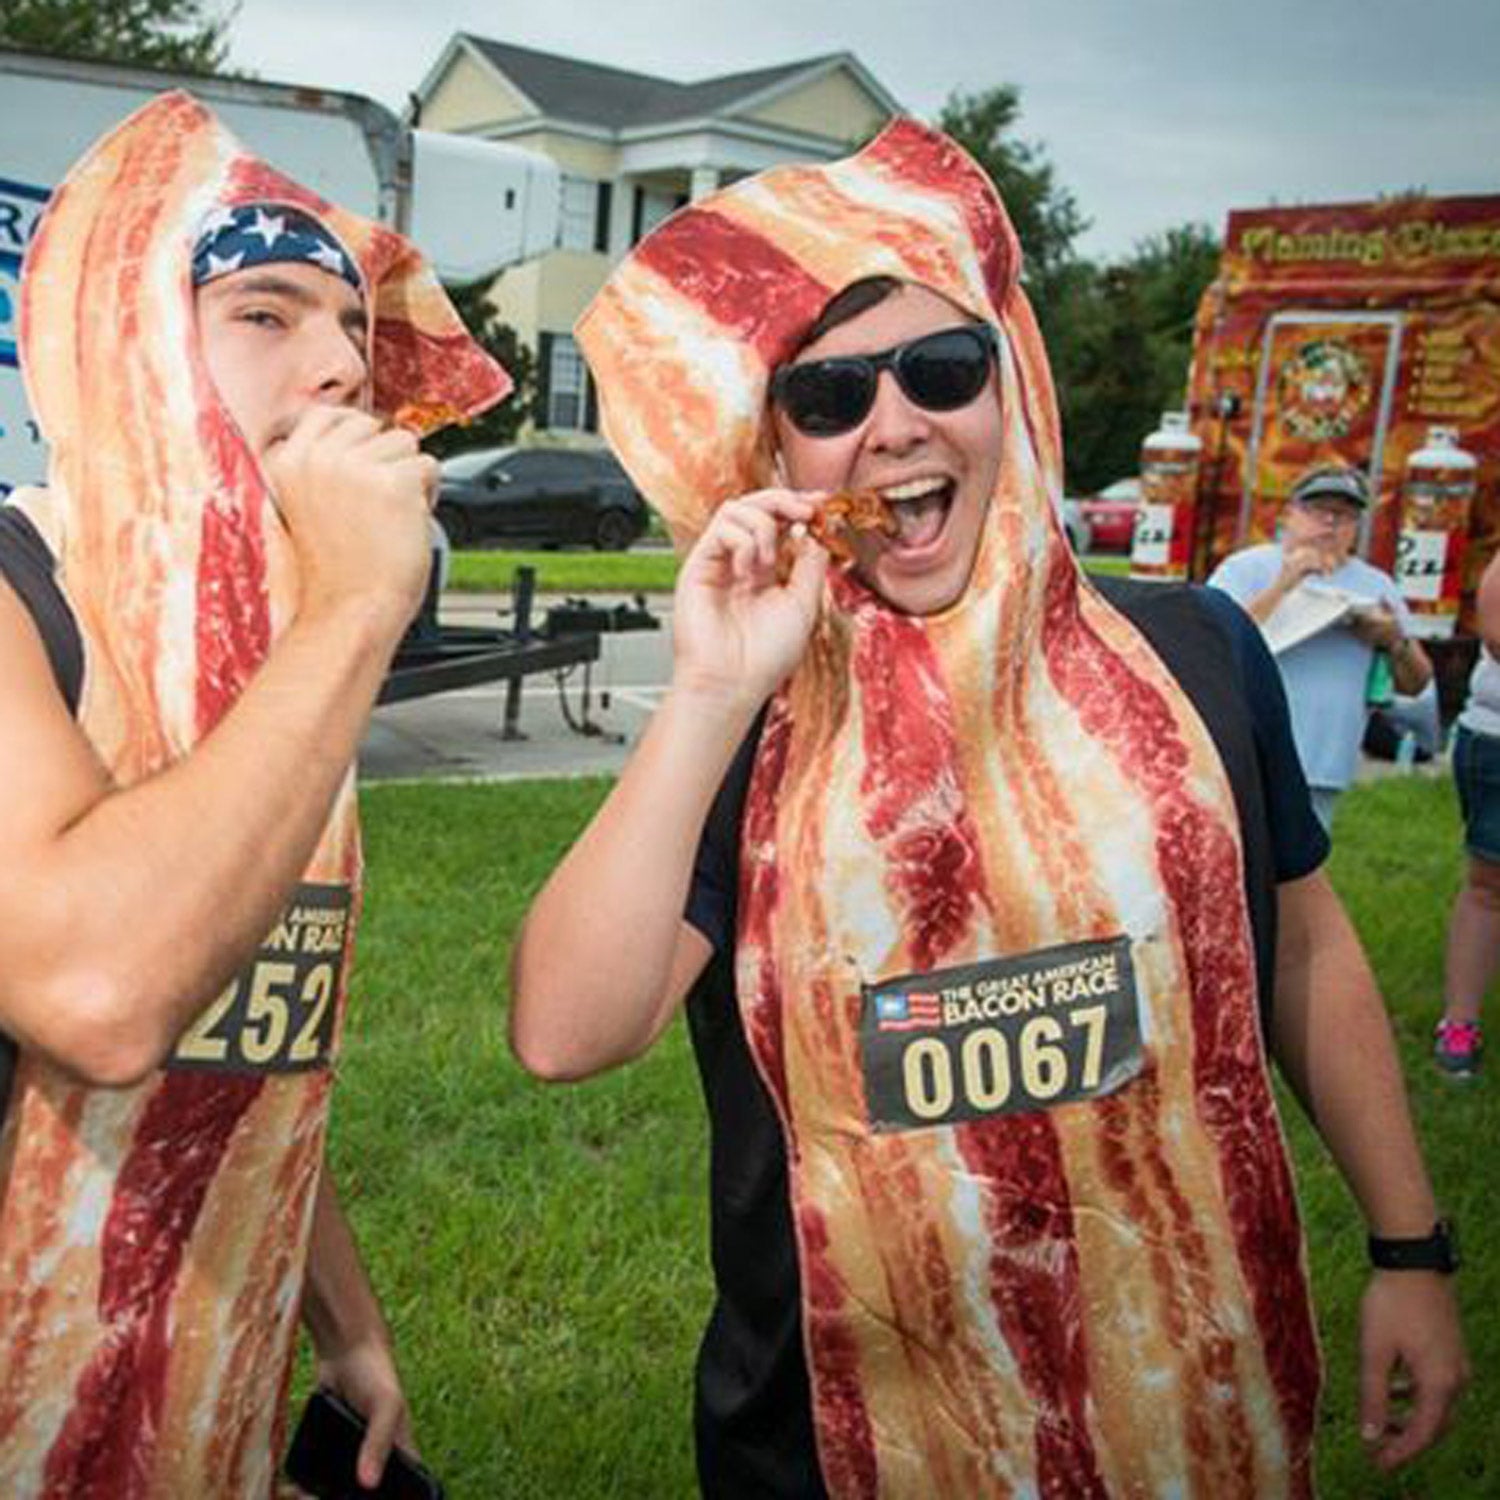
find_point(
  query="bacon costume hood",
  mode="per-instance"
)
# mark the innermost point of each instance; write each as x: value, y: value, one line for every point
x: 152, y: 1239
x: 1023, y: 1271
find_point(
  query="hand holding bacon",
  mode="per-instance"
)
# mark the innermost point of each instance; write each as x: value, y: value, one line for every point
x: 747, y: 598
x: 355, y: 496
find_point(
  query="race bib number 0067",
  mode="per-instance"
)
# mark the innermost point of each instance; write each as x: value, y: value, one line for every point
x: 1001, y: 1037
x: 278, y: 1014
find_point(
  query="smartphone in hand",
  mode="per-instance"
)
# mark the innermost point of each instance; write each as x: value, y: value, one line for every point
x: 325, y: 1449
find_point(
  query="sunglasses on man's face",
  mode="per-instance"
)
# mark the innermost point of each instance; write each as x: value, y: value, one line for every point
x: 938, y: 372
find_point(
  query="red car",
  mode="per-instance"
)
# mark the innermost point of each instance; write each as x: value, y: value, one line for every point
x: 1111, y: 515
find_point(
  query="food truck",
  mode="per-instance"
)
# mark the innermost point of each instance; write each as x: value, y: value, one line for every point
x: 1367, y: 333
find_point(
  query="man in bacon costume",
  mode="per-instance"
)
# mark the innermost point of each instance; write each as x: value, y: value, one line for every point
x: 1001, y: 1205
x: 195, y: 617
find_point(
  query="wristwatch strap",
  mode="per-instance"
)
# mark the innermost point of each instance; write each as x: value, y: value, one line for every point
x: 1437, y: 1251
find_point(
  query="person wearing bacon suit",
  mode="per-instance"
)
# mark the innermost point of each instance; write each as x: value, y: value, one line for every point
x: 196, y: 615
x: 974, y: 885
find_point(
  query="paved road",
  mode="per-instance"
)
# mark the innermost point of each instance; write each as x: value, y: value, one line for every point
x: 458, y: 735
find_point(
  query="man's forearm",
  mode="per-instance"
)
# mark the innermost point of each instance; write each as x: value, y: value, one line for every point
x: 593, y: 968
x: 1334, y: 1044
x: 98, y: 975
x: 1260, y: 607
x: 349, y: 1333
x: 339, y: 1305
x: 1411, y: 670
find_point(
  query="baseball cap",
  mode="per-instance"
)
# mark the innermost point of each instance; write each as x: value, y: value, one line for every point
x: 1335, y: 482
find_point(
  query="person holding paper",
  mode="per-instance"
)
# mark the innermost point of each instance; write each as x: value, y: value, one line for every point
x: 1311, y: 570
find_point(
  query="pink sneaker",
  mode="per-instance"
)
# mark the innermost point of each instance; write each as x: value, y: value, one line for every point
x: 1458, y: 1047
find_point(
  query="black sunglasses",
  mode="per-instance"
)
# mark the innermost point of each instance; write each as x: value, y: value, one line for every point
x: 939, y: 372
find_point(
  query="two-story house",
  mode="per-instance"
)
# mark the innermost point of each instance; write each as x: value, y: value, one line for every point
x: 631, y: 148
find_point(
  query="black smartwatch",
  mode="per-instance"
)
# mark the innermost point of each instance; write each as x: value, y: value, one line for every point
x: 1437, y: 1251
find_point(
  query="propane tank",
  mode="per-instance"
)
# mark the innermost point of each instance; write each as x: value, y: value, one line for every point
x: 1163, y: 540
x: 1437, y: 494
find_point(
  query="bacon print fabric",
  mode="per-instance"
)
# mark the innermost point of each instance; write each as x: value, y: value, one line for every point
x: 152, y: 1239
x: 1102, y: 1296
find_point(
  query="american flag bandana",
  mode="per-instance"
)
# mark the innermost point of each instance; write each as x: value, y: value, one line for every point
x: 260, y: 234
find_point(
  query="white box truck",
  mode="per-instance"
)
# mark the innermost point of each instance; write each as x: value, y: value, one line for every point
x: 472, y: 206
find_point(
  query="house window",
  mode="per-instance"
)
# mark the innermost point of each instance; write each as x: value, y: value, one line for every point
x: 578, y: 219
x: 566, y: 379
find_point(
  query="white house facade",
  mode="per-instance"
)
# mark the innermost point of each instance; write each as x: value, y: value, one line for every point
x: 632, y: 148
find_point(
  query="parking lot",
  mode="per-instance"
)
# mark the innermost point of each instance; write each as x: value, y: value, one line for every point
x: 459, y: 736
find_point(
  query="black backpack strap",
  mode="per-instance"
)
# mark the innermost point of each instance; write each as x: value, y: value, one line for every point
x: 29, y: 568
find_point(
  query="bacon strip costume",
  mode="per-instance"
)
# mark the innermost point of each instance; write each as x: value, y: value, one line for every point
x: 152, y: 1239
x: 1020, y: 1273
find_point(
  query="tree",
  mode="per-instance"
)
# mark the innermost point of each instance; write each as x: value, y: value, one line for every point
x: 500, y: 424
x: 176, y: 34
x: 1045, y: 215
x: 1123, y: 336
x: 1172, y: 271
x: 1119, y: 335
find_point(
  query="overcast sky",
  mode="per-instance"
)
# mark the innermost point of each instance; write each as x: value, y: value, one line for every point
x: 1153, y: 112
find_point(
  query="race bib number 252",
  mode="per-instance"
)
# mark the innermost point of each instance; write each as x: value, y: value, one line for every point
x: 1005, y: 1036
x: 278, y: 1014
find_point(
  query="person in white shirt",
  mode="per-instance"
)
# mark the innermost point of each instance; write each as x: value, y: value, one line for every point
x: 1326, y: 674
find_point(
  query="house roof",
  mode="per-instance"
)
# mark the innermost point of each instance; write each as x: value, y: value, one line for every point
x: 616, y: 99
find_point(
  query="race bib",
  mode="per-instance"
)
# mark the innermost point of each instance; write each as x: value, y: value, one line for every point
x: 1001, y: 1037
x: 277, y: 1015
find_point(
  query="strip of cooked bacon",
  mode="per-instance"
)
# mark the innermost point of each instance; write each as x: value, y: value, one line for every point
x: 422, y: 417
x: 847, y: 512
x: 837, y: 520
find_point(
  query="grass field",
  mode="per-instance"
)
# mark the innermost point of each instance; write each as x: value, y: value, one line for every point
x: 636, y: 572
x: 542, y: 1250
x: 651, y: 571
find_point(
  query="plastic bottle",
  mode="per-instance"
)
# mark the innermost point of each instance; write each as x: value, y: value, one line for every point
x: 1162, y: 545
x: 1380, y: 684
x: 1437, y: 495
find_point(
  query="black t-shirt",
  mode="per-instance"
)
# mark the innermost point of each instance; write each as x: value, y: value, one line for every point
x: 28, y: 567
x: 753, y: 1410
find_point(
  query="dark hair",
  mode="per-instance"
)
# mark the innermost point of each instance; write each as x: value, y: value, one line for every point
x: 844, y: 306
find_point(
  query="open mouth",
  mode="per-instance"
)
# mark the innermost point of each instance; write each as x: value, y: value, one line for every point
x: 920, y: 508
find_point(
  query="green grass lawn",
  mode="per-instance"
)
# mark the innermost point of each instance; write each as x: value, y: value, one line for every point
x: 542, y: 1250
x: 634, y: 572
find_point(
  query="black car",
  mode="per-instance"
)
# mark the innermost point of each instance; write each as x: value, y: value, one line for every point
x: 543, y: 496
